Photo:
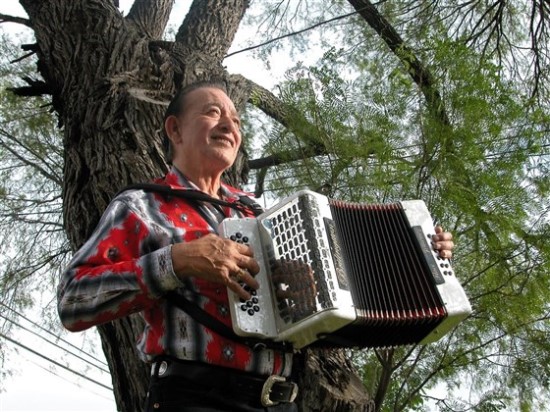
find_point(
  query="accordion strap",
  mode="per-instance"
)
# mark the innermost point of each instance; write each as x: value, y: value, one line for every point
x: 244, y: 203
x: 206, y: 319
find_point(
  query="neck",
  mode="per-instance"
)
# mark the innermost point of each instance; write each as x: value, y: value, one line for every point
x: 210, y: 186
x: 209, y: 183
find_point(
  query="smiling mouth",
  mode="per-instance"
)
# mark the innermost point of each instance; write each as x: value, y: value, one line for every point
x: 223, y: 139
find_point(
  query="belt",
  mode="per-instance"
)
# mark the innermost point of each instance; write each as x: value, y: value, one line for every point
x: 270, y: 390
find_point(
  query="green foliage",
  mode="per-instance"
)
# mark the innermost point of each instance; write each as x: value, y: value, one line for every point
x: 483, y: 172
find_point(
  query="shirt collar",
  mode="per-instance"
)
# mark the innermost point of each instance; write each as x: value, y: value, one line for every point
x: 176, y: 177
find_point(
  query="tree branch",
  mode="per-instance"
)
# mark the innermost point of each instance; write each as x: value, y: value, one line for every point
x: 288, y: 117
x: 385, y: 357
x: 51, y: 176
x: 196, y: 30
x: 4, y: 18
x: 538, y: 32
x: 34, y: 88
x: 281, y: 112
x: 150, y: 16
x: 419, y: 73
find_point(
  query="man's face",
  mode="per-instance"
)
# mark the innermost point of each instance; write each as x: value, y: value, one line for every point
x: 207, y: 134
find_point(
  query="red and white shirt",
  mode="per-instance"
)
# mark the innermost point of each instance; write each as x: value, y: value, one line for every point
x: 126, y: 267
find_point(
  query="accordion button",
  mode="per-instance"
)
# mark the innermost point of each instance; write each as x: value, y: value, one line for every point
x: 251, y: 312
x: 239, y: 235
x: 256, y: 308
x: 245, y: 239
x: 244, y: 308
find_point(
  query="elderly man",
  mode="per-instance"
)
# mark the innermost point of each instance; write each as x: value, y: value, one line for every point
x: 150, y: 245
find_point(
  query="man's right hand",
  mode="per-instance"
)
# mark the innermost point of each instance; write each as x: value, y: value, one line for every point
x: 218, y: 260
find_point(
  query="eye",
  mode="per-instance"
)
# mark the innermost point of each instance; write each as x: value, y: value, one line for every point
x: 214, y: 110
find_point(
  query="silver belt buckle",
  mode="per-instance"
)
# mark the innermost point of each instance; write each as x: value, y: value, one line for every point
x: 268, y: 385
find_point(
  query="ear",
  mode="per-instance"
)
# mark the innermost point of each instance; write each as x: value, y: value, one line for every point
x: 172, y: 128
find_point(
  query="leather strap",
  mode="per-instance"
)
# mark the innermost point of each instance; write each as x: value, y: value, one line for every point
x: 212, y: 323
x: 243, y: 205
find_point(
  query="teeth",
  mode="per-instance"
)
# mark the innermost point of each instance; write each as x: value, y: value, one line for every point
x: 223, y: 139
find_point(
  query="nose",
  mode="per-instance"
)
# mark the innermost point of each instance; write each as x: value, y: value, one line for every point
x: 227, y: 125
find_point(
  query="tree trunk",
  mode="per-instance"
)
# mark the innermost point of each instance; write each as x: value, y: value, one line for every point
x: 110, y: 78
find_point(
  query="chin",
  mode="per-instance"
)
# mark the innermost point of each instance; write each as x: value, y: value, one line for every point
x: 222, y: 162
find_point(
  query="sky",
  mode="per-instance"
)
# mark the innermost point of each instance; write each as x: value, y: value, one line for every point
x: 37, y: 385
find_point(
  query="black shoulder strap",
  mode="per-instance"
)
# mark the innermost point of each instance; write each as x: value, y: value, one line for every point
x: 251, y: 204
x: 244, y: 203
x: 204, y: 318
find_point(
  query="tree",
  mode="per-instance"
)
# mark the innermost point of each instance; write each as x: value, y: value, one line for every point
x: 109, y: 79
x: 429, y: 108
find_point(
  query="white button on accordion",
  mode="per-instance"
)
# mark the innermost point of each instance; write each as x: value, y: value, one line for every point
x: 351, y: 274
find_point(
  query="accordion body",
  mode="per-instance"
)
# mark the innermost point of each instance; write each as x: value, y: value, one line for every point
x: 349, y: 274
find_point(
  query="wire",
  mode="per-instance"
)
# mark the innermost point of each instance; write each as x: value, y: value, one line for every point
x: 295, y: 32
x: 37, y: 364
x: 51, y: 333
x: 56, y: 345
x: 55, y: 362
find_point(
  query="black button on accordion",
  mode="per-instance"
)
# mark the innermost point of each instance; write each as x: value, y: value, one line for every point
x: 353, y: 274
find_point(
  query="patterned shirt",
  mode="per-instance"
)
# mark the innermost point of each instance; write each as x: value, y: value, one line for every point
x: 126, y: 267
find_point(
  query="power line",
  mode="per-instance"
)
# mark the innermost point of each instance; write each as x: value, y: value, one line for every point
x: 55, y: 362
x: 314, y: 26
x: 51, y: 333
x: 72, y: 382
x: 56, y: 345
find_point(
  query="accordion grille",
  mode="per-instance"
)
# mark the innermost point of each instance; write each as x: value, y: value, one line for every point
x: 298, y: 244
x: 392, y: 286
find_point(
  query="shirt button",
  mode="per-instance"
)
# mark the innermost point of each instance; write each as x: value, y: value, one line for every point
x: 112, y: 253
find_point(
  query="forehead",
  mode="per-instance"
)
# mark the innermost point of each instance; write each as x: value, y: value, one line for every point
x: 205, y: 96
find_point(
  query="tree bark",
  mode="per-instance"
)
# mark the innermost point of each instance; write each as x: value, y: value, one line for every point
x: 111, y: 78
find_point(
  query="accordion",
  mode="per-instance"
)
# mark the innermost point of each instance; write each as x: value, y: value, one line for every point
x: 348, y: 274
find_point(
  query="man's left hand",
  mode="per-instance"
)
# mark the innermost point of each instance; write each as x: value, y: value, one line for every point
x: 443, y: 243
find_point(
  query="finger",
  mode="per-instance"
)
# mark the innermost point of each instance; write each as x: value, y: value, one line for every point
x: 243, y: 249
x: 236, y: 287
x: 243, y: 276
x: 249, y: 264
x: 442, y: 236
x: 445, y: 254
x: 444, y: 249
x: 445, y: 245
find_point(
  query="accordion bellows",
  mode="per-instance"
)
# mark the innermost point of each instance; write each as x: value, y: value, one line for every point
x: 347, y: 274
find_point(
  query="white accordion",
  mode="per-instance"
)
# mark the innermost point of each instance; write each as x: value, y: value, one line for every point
x: 352, y: 274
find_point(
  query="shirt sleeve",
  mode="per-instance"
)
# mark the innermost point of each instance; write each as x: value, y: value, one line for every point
x: 124, y: 267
